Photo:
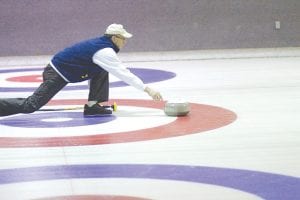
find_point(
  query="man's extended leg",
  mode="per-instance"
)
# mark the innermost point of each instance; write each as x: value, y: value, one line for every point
x: 52, y: 84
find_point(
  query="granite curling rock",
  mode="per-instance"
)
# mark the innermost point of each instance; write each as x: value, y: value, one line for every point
x: 180, y: 108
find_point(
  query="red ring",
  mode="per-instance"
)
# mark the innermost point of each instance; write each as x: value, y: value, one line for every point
x: 28, y: 78
x: 201, y: 118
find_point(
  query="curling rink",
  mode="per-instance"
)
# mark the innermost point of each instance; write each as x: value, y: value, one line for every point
x: 241, y: 139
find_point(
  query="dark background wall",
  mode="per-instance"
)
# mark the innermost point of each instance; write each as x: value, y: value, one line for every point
x: 41, y: 27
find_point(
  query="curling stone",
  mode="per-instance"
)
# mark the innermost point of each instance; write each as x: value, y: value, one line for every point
x: 176, y: 108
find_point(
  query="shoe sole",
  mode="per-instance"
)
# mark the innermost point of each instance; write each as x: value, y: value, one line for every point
x: 98, y: 115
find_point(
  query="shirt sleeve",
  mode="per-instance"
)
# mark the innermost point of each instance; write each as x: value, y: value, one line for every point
x: 108, y: 60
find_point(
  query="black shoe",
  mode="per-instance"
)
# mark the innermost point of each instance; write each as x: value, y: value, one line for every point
x: 96, y: 110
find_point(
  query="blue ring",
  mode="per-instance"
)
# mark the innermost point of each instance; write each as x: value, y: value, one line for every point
x: 265, y: 185
x: 147, y: 76
x: 40, y: 120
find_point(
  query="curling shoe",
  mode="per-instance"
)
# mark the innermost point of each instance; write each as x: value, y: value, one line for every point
x: 96, y: 111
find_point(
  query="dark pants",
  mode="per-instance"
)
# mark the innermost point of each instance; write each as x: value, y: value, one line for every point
x: 52, y: 84
x: 99, y: 87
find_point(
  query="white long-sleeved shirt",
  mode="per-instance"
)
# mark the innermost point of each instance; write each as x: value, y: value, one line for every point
x: 107, y: 59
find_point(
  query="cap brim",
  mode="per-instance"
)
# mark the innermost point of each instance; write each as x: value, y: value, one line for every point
x: 127, y: 35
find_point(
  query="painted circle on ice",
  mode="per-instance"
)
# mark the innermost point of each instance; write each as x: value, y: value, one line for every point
x: 92, y: 197
x: 54, y: 120
x: 265, y: 185
x: 28, y: 78
x: 147, y: 75
x: 201, y: 118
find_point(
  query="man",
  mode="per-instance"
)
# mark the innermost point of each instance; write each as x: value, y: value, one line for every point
x: 91, y: 60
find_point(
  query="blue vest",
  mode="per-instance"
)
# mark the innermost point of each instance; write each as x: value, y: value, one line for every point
x: 75, y: 63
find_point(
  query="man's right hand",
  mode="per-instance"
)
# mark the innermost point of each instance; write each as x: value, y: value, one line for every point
x: 154, y: 94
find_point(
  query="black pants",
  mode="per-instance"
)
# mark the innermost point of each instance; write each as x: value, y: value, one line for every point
x: 52, y: 84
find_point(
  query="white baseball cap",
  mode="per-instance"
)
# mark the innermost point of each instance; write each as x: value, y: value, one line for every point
x: 117, y: 29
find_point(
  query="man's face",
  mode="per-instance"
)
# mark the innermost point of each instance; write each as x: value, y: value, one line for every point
x: 119, y: 41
